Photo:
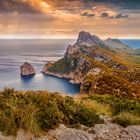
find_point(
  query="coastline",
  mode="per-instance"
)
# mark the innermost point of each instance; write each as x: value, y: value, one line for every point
x: 71, y: 80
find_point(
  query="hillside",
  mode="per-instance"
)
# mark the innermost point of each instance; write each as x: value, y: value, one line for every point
x: 40, y: 115
x: 99, y: 67
x: 117, y: 44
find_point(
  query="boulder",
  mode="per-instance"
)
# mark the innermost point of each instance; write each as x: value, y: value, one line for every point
x: 27, y: 69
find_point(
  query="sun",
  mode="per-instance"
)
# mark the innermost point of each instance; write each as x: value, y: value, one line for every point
x: 40, y: 5
x: 44, y: 4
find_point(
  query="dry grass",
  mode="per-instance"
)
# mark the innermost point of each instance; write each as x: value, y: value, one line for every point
x: 99, y: 108
x: 127, y: 118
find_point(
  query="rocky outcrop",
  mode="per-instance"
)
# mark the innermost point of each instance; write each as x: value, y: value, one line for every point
x: 115, y: 132
x: 27, y: 69
x: 98, y: 132
x: 73, y: 69
x: 85, y: 38
x: 86, y: 43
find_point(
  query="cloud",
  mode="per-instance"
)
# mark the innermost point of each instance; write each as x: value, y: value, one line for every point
x: 8, y: 6
x: 86, y: 14
x: 122, y: 4
x: 120, y: 15
x: 71, y: 6
x: 117, y: 16
x: 61, y: 32
x: 60, y: 16
x: 105, y: 15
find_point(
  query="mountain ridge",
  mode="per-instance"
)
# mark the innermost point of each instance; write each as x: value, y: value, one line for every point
x: 94, y: 65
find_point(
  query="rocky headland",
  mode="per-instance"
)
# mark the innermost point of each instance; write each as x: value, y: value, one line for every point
x: 91, y: 60
x: 79, y: 57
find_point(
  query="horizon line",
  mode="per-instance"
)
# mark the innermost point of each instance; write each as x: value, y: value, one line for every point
x: 61, y: 37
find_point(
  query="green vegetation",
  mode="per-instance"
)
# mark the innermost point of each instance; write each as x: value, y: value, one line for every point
x: 126, y: 118
x: 40, y: 111
x: 137, y: 52
x: 64, y: 65
x: 134, y: 58
x: 123, y: 111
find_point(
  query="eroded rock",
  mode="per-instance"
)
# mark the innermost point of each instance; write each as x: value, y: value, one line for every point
x: 27, y: 69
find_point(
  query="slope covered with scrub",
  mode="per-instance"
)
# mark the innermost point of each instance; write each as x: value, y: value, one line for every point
x: 40, y: 113
x: 101, y: 67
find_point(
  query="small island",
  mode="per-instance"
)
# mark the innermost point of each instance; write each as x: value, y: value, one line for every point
x: 27, y: 69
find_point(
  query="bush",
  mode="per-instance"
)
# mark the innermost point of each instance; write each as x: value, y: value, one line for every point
x: 86, y: 116
x: 126, y: 118
x: 40, y: 111
x: 64, y: 65
x: 99, y: 108
x: 118, y: 105
x: 113, y: 84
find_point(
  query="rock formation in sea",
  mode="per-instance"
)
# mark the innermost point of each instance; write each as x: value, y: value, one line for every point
x: 27, y: 69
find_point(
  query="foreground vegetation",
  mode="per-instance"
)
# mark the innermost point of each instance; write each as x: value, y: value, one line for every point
x: 123, y: 111
x: 37, y: 112
x: 40, y: 111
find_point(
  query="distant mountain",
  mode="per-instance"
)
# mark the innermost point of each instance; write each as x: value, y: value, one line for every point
x: 116, y: 44
x: 99, y: 67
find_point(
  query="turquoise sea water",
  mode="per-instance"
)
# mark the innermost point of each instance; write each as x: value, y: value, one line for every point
x: 13, y: 53
x: 133, y: 43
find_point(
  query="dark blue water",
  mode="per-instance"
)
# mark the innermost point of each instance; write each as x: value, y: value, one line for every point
x: 13, y: 53
x: 44, y: 82
x: 133, y: 43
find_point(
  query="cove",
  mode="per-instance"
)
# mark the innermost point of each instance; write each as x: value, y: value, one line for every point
x: 44, y: 82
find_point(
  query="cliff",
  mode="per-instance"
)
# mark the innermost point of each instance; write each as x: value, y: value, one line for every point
x: 91, y: 59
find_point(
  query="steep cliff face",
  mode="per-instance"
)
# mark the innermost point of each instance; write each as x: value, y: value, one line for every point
x: 91, y: 59
x: 88, y: 53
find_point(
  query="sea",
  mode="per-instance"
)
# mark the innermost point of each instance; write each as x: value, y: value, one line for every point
x: 133, y: 43
x: 14, y: 53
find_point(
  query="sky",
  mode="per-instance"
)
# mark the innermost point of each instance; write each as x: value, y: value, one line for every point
x: 65, y: 18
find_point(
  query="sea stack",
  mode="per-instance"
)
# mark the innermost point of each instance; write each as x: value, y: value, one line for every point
x: 27, y: 69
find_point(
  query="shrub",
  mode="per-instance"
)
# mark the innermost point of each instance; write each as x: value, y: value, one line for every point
x: 64, y: 65
x: 99, y: 108
x: 118, y: 105
x: 126, y: 118
x: 86, y: 116
x: 40, y: 111
x: 113, y: 84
